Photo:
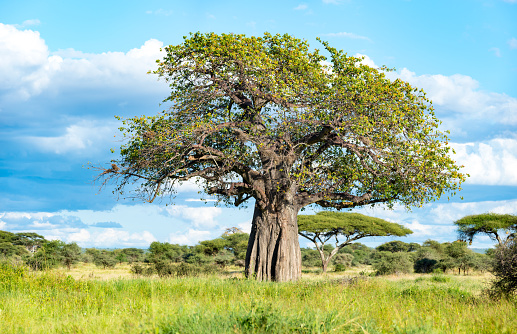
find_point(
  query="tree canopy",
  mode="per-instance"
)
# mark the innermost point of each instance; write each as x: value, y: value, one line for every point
x: 269, y: 119
x: 492, y: 224
x: 324, y: 226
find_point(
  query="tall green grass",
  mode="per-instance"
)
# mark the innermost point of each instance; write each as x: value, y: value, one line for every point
x: 55, y: 303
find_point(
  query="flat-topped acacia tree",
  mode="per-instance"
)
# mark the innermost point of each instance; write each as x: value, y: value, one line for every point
x: 494, y: 225
x: 266, y: 118
x: 324, y: 226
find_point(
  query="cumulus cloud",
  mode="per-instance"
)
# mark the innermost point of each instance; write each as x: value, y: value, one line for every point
x: 82, y: 138
x: 28, y: 68
x: 25, y: 59
x: 460, y: 94
x: 190, y: 238
x: 198, y: 216
x: 366, y: 60
x: 492, y: 162
x: 107, y: 238
x: 81, y: 237
x: 425, y: 231
x: 112, y: 237
x: 301, y: 7
x: 116, y: 70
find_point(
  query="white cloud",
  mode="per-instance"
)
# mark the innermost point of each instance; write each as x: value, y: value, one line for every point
x: 192, y: 185
x: 493, y: 162
x: 301, y: 7
x: 24, y: 58
x: 460, y: 93
x: 28, y: 69
x: 347, y: 35
x: 245, y: 227
x: 199, y: 216
x: 513, y: 43
x: 112, y: 237
x: 107, y: 238
x: 80, y: 237
x: 42, y: 225
x: 366, y: 60
x: 190, y: 238
x: 334, y: 2
x: 421, y: 230
x: 84, y: 137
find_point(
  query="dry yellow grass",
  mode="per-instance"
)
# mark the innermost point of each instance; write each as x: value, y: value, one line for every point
x: 91, y: 271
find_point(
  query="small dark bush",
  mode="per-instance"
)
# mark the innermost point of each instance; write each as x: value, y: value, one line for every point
x: 339, y: 267
x: 425, y: 265
x: 165, y: 268
x: 187, y: 270
x: 143, y: 270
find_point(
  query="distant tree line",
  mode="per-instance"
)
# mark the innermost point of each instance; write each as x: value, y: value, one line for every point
x: 163, y: 258
x: 397, y: 257
x: 393, y: 257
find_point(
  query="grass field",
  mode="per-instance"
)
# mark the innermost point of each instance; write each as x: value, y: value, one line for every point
x: 92, y: 300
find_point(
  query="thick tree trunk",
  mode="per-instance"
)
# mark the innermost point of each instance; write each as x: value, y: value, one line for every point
x: 273, y: 250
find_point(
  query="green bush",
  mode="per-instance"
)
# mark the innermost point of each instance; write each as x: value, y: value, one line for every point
x: 504, y: 268
x: 104, y: 259
x: 388, y: 263
x: 339, y: 267
x: 342, y: 261
x: 427, y: 258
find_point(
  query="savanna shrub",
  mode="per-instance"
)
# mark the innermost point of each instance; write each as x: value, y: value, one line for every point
x: 504, y: 268
x: 339, y: 267
x: 143, y: 270
x: 388, y: 263
x: 164, y: 268
x: 343, y: 259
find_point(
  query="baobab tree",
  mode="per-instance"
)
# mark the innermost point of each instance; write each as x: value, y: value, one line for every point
x: 267, y: 119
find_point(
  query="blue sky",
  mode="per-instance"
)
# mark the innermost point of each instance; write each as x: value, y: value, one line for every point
x: 66, y: 68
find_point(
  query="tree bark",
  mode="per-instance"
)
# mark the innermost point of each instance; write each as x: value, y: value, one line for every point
x: 273, y: 249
